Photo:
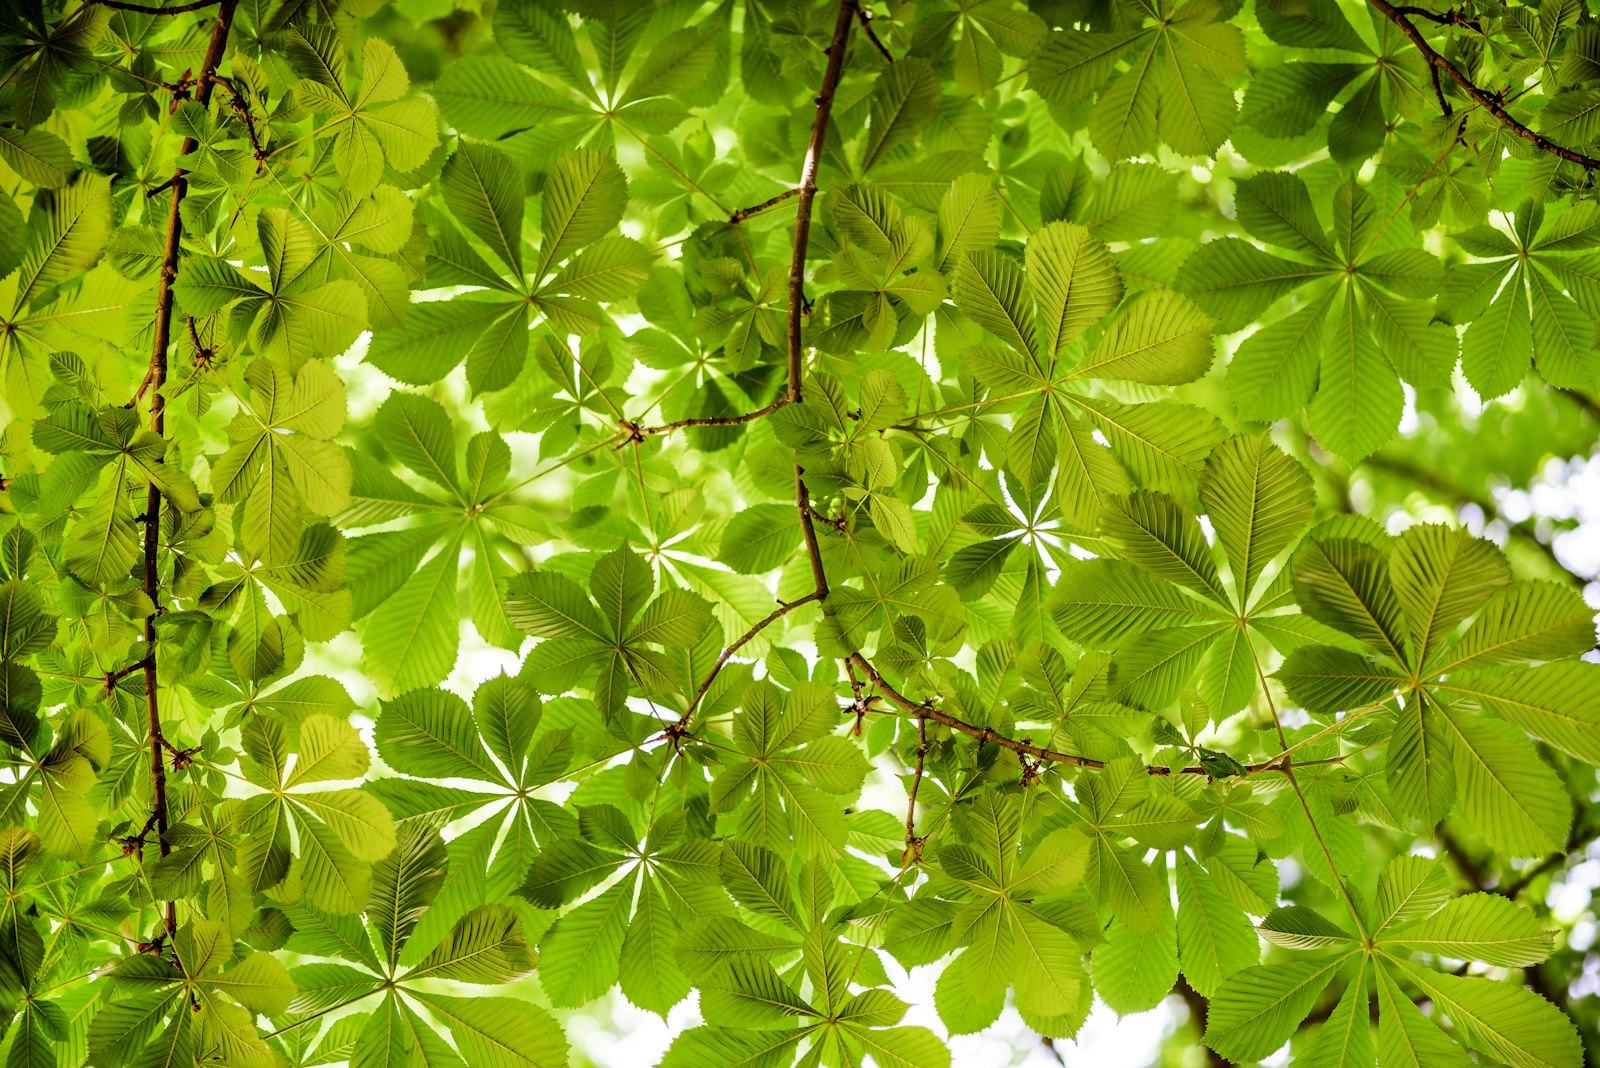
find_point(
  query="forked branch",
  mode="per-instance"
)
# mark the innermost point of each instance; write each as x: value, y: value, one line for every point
x: 804, y: 195
x: 1490, y: 102
x: 156, y: 378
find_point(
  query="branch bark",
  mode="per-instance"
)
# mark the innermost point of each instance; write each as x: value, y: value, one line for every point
x: 1490, y: 102
x: 756, y: 209
x: 804, y: 195
x: 215, y: 49
x: 984, y: 735
x: 1199, y: 1010
x: 147, y: 9
x: 848, y: 12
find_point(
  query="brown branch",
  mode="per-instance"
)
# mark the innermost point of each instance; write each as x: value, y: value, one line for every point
x: 1590, y: 406
x: 138, y: 394
x: 145, y: 9
x: 756, y: 209
x: 848, y: 10
x: 1456, y: 497
x: 865, y: 18
x: 783, y: 609
x: 114, y: 677
x: 1199, y: 1011
x: 237, y: 102
x: 1465, y: 862
x: 805, y: 195
x: 215, y: 49
x: 985, y: 735
x: 1490, y: 102
x: 1453, y: 17
x: 913, y: 850
x: 1576, y: 844
x: 808, y: 531
x: 1438, y: 91
x: 637, y: 433
x: 839, y: 522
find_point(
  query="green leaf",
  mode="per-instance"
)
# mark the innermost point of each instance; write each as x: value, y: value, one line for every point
x: 1441, y: 576
x: 500, y: 1032
x: 583, y: 198
x: 1215, y: 938
x: 431, y: 733
x: 1258, y: 500
x: 1509, y: 1023
x: 1507, y: 793
x: 759, y: 538
x: 482, y: 188
x: 1076, y: 282
x: 1257, y: 1010
x: 1159, y: 338
x: 1557, y: 702
x: 992, y: 290
x: 1482, y: 927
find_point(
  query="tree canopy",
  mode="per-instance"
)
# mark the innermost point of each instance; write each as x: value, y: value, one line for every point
x: 509, y: 504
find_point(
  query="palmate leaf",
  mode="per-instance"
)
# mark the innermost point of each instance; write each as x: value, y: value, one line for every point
x: 945, y: 495
x: 1174, y: 85
x: 1256, y: 1011
x: 1355, y: 332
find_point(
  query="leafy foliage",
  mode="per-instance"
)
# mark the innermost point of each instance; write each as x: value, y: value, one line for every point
x: 699, y: 503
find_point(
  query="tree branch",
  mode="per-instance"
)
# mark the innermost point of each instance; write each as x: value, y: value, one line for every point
x: 984, y: 735
x: 1455, y: 496
x: 756, y: 209
x: 637, y: 433
x: 215, y: 49
x: 146, y: 9
x: 805, y: 195
x: 913, y: 851
x: 783, y: 609
x: 1453, y: 17
x: 865, y: 18
x: 237, y: 102
x: 1490, y: 102
x: 1199, y: 1011
x: 848, y: 11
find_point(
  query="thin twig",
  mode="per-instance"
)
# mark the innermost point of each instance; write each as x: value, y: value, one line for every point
x: 138, y: 395
x: 984, y: 735
x: 804, y: 195
x: 145, y: 9
x: 865, y: 18
x: 1453, y: 17
x: 783, y: 609
x: 848, y: 9
x: 1438, y: 91
x: 756, y: 209
x: 114, y: 677
x: 1490, y: 102
x: 808, y: 531
x: 635, y: 433
x: 913, y: 851
x: 215, y: 49
x: 237, y: 102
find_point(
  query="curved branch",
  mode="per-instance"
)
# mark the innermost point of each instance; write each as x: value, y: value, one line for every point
x: 146, y: 9
x: 1490, y: 102
x: 927, y: 710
